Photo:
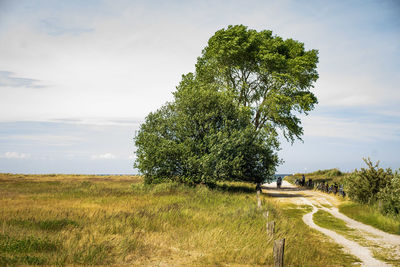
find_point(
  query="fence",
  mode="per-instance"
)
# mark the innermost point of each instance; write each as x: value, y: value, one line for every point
x: 279, y: 244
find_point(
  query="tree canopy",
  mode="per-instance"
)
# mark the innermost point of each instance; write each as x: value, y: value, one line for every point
x: 203, y: 137
x: 271, y: 75
x: 222, y: 124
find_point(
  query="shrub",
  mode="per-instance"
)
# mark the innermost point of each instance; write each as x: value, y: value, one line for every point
x: 363, y: 186
x: 334, y: 173
x: 389, y: 196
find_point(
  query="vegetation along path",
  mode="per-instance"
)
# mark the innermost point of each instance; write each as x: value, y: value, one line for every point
x: 373, y: 247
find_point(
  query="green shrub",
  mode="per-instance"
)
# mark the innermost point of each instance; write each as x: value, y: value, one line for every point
x: 389, y: 196
x: 363, y: 186
x: 334, y: 173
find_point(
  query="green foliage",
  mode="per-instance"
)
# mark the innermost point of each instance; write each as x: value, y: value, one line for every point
x: 389, y: 196
x: 363, y: 186
x: 270, y: 75
x: 334, y: 173
x: 203, y: 137
x: 223, y: 123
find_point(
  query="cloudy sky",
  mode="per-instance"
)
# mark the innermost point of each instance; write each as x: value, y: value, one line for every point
x: 78, y: 77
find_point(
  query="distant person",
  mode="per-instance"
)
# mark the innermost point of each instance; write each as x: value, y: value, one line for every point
x: 335, y: 188
x: 303, y: 180
x: 279, y: 182
x: 341, y: 191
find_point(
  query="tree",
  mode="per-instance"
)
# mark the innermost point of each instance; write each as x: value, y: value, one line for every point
x: 270, y: 75
x: 223, y: 121
x: 202, y: 137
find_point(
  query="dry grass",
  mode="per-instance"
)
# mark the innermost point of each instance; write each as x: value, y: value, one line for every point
x: 116, y: 220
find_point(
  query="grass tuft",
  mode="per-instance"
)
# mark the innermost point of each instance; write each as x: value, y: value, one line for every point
x: 45, y: 225
x: 26, y: 244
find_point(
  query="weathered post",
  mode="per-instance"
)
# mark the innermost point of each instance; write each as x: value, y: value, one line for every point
x: 271, y: 227
x: 279, y: 248
x: 258, y: 189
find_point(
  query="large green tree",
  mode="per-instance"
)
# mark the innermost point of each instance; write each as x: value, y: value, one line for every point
x: 203, y: 137
x: 272, y: 76
x: 224, y: 120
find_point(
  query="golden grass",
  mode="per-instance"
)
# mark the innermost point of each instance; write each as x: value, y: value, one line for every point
x: 116, y: 220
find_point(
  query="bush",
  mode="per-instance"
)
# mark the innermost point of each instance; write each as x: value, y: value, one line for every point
x: 334, y: 173
x: 389, y: 196
x: 363, y: 186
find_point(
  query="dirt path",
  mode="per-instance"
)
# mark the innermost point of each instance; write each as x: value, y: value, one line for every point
x: 375, y: 239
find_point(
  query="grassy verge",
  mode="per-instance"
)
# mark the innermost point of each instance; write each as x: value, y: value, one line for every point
x: 370, y: 215
x: 93, y: 220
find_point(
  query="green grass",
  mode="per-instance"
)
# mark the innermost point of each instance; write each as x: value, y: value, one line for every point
x: 328, y: 221
x: 96, y: 220
x: 370, y: 215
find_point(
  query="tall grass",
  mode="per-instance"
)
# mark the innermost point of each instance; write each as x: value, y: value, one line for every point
x: 370, y: 215
x: 92, y: 220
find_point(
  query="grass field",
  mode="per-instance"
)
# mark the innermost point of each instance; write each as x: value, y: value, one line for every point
x: 370, y: 215
x: 93, y: 220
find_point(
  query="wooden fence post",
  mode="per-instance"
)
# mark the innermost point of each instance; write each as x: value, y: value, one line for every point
x: 279, y: 248
x: 271, y: 227
x: 258, y: 189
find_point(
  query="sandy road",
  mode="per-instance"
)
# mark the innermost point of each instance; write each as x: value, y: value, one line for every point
x: 373, y: 238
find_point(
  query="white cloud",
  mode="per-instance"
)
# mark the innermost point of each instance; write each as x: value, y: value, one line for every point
x: 104, y: 156
x: 125, y: 62
x: 15, y: 155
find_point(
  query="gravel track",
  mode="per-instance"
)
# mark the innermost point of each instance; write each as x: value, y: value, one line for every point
x: 378, y: 238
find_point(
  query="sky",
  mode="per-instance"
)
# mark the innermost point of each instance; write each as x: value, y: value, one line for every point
x: 77, y: 78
